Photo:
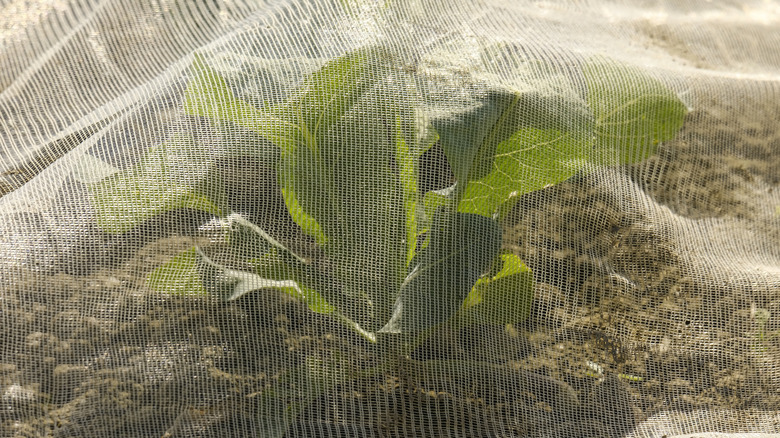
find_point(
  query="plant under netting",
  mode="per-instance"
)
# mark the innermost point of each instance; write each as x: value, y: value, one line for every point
x: 390, y: 262
x: 401, y: 218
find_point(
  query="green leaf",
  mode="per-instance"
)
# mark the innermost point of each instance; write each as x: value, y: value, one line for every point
x: 208, y: 95
x: 90, y: 169
x: 163, y: 181
x: 272, y: 260
x: 519, y: 138
x: 503, y: 298
x: 634, y: 111
x: 475, y: 130
x: 307, y: 223
x: 249, y: 241
x: 472, y: 129
x: 413, y: 137
x: 329, y: 93
x: 407, y: 174
x: 528, y: 161
x: 350, y: 190
x: 435, y: 199
x: 179, y: 276
x: 340, y: 185
x: 460, y: 250
x: 279, y: 267
x: 341, y: 191
x: 230, y: 284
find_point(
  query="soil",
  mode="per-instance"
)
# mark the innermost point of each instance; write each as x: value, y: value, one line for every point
x: 646, y: 322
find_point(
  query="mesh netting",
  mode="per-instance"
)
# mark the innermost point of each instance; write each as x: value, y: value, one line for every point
x: 390, y: 218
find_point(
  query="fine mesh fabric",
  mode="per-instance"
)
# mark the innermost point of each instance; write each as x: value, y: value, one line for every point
x: 385, y: 218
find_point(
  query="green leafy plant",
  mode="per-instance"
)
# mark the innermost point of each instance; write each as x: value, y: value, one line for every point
x: 388, y: 261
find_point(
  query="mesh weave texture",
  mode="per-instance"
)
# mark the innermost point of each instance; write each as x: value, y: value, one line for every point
x: 370, y: 218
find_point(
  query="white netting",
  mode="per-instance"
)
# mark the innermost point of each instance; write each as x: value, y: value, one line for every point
x: 389, y: 218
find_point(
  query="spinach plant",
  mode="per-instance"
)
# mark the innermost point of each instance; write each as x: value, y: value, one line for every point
x: 388, y: 260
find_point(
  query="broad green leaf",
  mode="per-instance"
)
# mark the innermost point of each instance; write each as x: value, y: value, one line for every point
x: 341, y: 186
x: 154, y: 186
x: 208, y: 95
x: 503, y: 298
x: 472, y: 130
x: 329, y: 93
x: 179, y: 276
x: 249, y: 241
x: 413, y: 137
x: 529, y: 160
x: 460, y: 250
x: 348, y: 187
x: 274, y: 260
x: 407, y: 174
x: 438, y: 198
x: 230, y: 284
x: 321, y: 292
x: 276, y: 266
x: 634, y: 111
x: 475, y: 130
x: 307, y: 223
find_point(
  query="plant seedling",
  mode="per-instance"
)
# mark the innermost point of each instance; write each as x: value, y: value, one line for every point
x: 390, y: 262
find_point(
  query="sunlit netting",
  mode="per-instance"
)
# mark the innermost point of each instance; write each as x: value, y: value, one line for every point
x: 386, y: 218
